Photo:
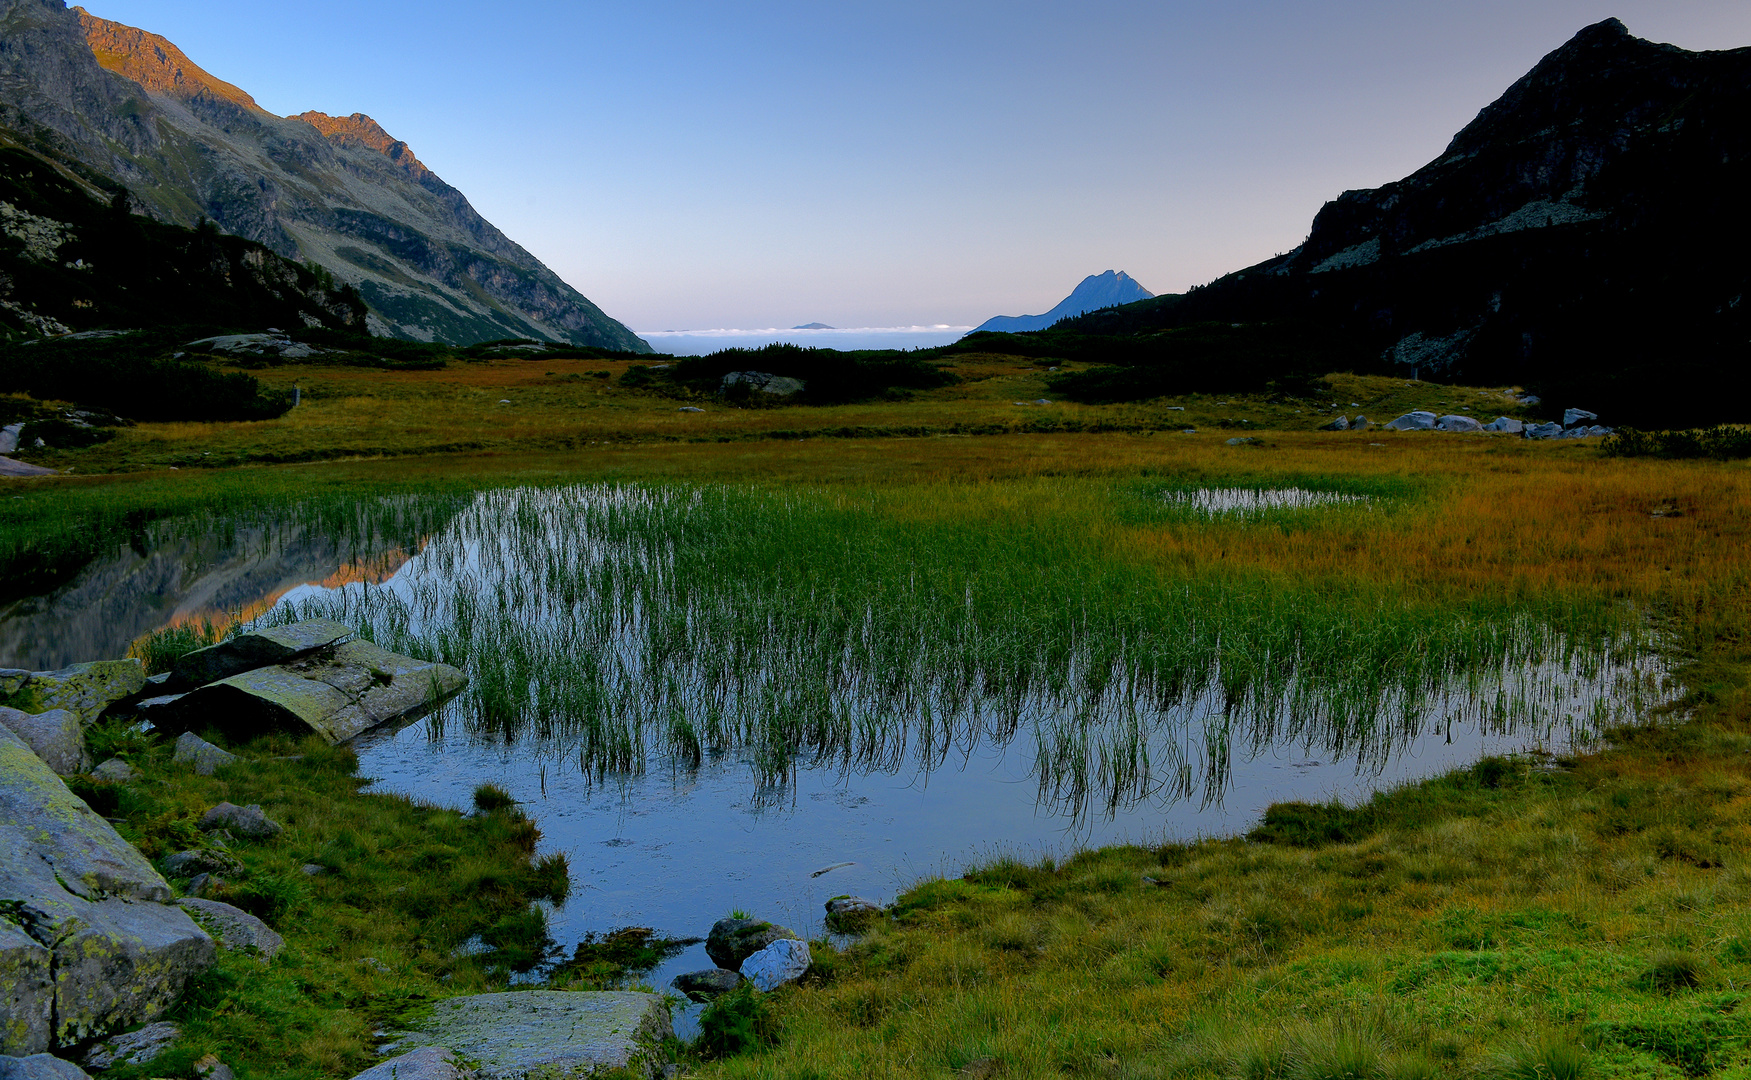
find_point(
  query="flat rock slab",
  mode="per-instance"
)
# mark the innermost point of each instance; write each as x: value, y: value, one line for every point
x: 426, y: 1063
x: 83, y: 689
x: 40, y: 1067
x: 338, y: 694
x: 12, y: 467
x: 56, y: 736
x: 237, y: 929
x: 547, y: 1034
x: 258, y: 648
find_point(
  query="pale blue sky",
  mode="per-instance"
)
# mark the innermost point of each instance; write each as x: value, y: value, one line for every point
x: 694, y: 165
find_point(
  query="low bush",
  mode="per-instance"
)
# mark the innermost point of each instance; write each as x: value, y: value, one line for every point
x: 136, y: 376
x: 1724, y: 442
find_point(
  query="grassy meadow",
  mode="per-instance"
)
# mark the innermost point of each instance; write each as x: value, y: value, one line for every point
x: 977, y: 562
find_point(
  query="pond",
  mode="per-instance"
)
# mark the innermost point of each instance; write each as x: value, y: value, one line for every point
x: 718, y: 698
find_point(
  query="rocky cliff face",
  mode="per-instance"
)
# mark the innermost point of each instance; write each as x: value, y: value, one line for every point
x: 1584, y: 236
x: 336, y: 192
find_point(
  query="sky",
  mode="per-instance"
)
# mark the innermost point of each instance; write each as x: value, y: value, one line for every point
x: 694, y: 165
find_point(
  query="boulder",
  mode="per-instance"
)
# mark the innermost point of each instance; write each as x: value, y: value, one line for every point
x: 121, y: 952
x: 426, y: 1063
x: 10, y: 467
x: 211, y: 1068
x: 1413, y: 421
x: 85, y: 690
x: 157, y: 710
x: 191, y: 749
x: 1571, y: 417
x: 114, y: 771
x: 1584, y: 432
x: 1361, y: 423
x: 56, y: 736
x: 1530, y: 399
x: 12, y: 680
x: 200, y: 861
x: 764, y: 382
x: 1506, y: 424
x: 707, y: 984
x: 135, y: 1047
x: 732, y: 941
x: 1240, y: 441
x: 547, y: 1034
x: 779, y: 963
x: 9, y: 437
x: 258, y: 648
x: 27, y: 992
x: 1342, y: 423
x: 240, y: 821
x: 238, y: 930
x: 337, y: 694
x: 848, y: 913
x: 1455, y: 422
x: 1544, y: 431
x: 40, y: 1067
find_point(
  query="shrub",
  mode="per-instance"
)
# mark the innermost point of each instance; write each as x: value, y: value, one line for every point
x: 737, y: 1021
x: 489, y: 798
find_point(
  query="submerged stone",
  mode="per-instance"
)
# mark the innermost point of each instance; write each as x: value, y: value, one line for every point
x: 85, y: 690
x: 548, y: 1034
x: 258, y: 648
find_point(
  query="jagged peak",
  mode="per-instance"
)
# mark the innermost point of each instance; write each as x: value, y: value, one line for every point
x: 359, y: 130
x: 155, y: 63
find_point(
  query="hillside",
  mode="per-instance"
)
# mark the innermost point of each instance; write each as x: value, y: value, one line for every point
x: 1582, y: 237
x: 1096, y: 291
x: 336, y: 192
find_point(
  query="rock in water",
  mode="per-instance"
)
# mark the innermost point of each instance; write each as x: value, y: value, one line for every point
x: 237, y: 929
x: 732, y: 941
x: 133, y: 1048
x: 848, y: 913
x: 779, y: 963
x: 1455, y: 422
x: 707, y: 984
x: 191, y: 749
x: 549, y: 1034
x: 427, y: 1063
x: 40, y: 1067
x: 336, y: 695
x: 258, y: 648
x: 56, y: 736
x: 240, y: 821
x: 121, y: 952
x: 1413, y: 421
x: 83, y: 689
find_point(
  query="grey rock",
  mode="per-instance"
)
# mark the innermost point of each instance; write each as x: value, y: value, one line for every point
x: 337, y: 695
x: 1455, y: 422
x: 135, y: 1047
x: 240, y: 821
x: 203, y: 883
x: 1506, y: 424
x: 259, y: 648
x: 211, y: 1068
x: 9, y: 437
x: 40, y: 1067
x: 1530, y: 399
x: 689, y: 408
x: 191, y: 749
x: 1585, y: 432
x: 1571, y: 417
x: 311, y: 869
x: 12, y: 680
x: 1544, y: 431
x: 847, y: 913
x: 1413, y: 421
x: 13, y: 467
x: 114, y: 771
x: 777, y: 964
x: 732, y: 941
x: 238, y: 930
x: 27, y: 992
x: 56, y: 736
x: 764, y: 382
x: 158, y: 709
x: 1240, y: 441
x: 426, y: 1063
x: 1342, y: 423
x: 1361, y: 423
x: 707, y: 984
x: 548, y: 1034
x: 200, y: 861
x: 83, y: 689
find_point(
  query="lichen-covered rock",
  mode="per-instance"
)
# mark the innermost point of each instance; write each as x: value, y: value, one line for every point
x: 732, y: 941
x: 27, y: 992
x: 783, y: 961
x: 191, y: 749
x: 56, y: 736
x: 40, y: 1067
x: 240, y: 821
x: 426, y: 1063
x: 85, y: 690
x: 707, y: 984
x: 200, y: 861
x: 547, y: 1034
x: 237, y: 929
x: 337, y: 694
x: 121, y: 953
x: 256, y: 649
x: 134, y: 1047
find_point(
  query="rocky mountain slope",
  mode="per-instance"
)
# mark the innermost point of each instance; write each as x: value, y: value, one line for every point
x: 1584, y: 236
x: 1096, y: 291
x: 336, y: 192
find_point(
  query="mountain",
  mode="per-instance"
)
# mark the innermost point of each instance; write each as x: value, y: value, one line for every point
x: 337, y: 192
x: 1096, y: 291
x: 812, y: 326
x: 1584, y: 236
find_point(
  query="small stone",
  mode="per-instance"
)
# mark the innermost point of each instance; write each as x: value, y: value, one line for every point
x: 237, y: 929
x: 200, y: 861
x: 57, y: 736
x: 732, y: 941
x: 114, y: 771
x: 848, y: 913
x: 40, y: 1067
x: 779, y: 963
x: 426, y: 1063
x: 134, y: 1048
x: 310, y: 869
x: 1241, y: 441
x: 240, y: 820
x: 689, y: 408
x: 191, y: 749
x: 707, y: 984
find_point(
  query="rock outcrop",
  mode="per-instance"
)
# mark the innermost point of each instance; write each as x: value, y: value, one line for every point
x: 85, y: 690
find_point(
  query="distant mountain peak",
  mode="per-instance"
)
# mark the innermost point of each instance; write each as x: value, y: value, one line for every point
x: 1111, y: 289
x: 155, y: 63
x: 813, y: 326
